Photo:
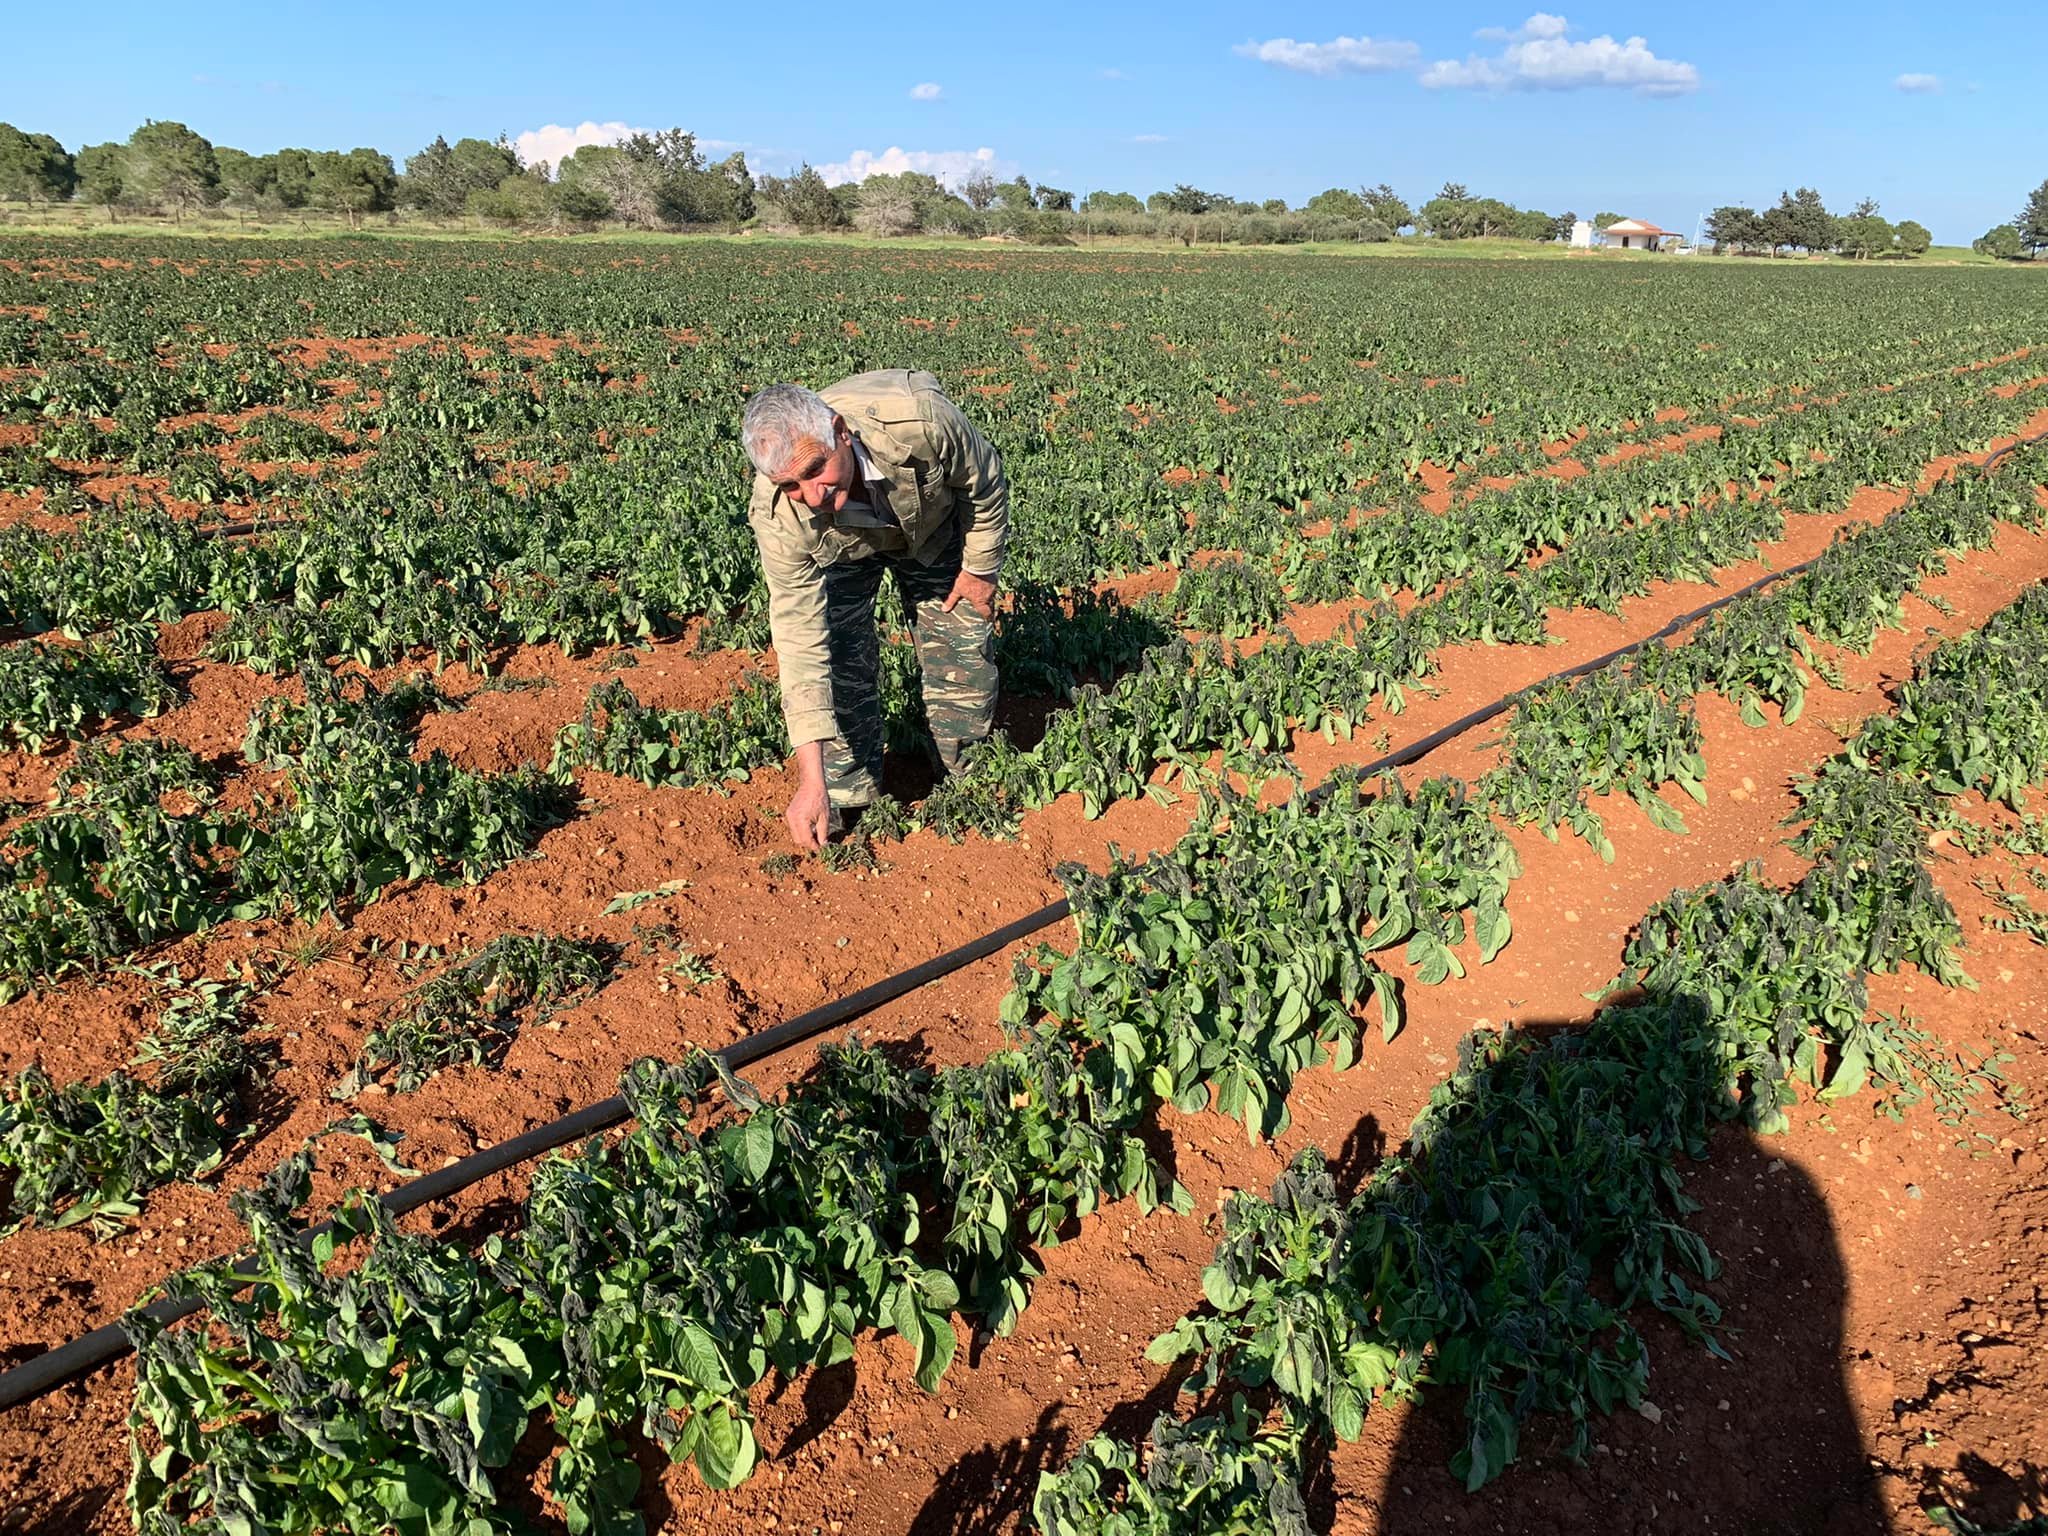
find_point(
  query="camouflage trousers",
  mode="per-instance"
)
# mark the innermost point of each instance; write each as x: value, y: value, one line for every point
x: 956, y: 655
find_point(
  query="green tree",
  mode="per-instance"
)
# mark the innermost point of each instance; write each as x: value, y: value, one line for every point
x: 440, y: 178
x: 520, y: 201
x: 1384, y: 204
x: 1337, y: 203
x: 1779, y: 225
x: 1863, y: 235
x: 1055, y: 199
x: 802, y: 200
x: 102, y: 169
x: 1016, y: 195
x: 1800, y: 220
x: 1186, y: 199
x: 168, y: 163
x: 294, y: 177
x: 359, y: 182
x: 1453, y: 214
x: 2032, y: 224
x: 980, y: 190
x: 1912, y: 238
x: 682, y: 187
x: 1274, y: 206
x: 245, y: 179
x: 60, y: 174
x: 579, y: 202
x: 2001, y: 240
x: 34, y: 168
x: 484, y: 163
x: 738, y: 184
x: 1495, y: 217
x: 1735, y: 228
x: 1111, y: 202
x: 1815, y: 225
x: 1602, y: 220
x: 429, y: 179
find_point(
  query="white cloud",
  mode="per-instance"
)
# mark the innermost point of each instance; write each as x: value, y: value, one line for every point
x: 1918, y: 85
x: 925, y: 91
x: 555, y: 143
x: 1341, y: 55
x: 1542, y: 24
x: 1112, y: 73
x: 1148, y: 138
x: 1538, y: 56
x: 951, y: 166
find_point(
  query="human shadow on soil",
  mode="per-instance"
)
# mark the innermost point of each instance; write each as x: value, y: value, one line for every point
x: 987, y: 1489
x: 470, y: 1227
x: 67, y: 1515
x: 990, y: 1490
x: 1768, y: 1444
x: 1766, y: 1441
x: 1363, y: 1150
x: 1987, y: 1495
x: 827, y: 1393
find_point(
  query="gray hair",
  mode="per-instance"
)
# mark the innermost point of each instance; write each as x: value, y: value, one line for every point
x: 778, y: 419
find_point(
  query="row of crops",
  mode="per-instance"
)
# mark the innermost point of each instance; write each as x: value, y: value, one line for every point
x: 108, y: 869
x: 655, y: 1281
x: 547, y: 455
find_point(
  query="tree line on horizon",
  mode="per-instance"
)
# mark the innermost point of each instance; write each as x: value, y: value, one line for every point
x: 665, y: 181
x: 1801, y: 222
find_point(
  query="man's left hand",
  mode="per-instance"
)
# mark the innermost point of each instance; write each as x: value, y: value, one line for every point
x: 978, y: 590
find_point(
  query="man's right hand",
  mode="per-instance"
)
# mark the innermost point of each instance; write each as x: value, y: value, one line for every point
x: 810, y: 810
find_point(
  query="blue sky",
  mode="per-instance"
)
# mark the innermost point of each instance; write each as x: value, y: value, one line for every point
x: 1929, y: 109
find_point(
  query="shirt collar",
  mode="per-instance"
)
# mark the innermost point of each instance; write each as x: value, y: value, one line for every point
x: 870, y: 472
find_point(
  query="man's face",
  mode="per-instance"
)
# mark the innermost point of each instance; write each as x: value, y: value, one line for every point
x: 821, y: 475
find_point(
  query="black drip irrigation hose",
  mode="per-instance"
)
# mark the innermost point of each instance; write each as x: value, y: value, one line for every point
x: 53, y: 1368
x: 44, y: 1373
x: 242, y: 530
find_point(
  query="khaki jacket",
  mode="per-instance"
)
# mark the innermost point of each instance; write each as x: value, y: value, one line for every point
x: 941, y: 473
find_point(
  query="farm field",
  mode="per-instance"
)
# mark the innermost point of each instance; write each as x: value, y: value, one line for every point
x: 393, y: 761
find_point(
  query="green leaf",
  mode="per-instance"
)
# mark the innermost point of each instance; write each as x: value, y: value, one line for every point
x: 756, y: 1145
x: 939, y: 1292
x: 726, y: 1450
x: 1173, y: 1343
x: 902, y: 1309
x: 700, y: 1359
x: 936, y: 1344
x: 1388, y: 994
x: 1347, y: 1411
x: 1221, y: 1290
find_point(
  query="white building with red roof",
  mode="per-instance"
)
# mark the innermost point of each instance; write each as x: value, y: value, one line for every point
x: 1634, y: 235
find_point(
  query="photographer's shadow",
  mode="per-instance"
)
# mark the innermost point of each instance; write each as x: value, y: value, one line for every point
x: 1766, y: 1443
